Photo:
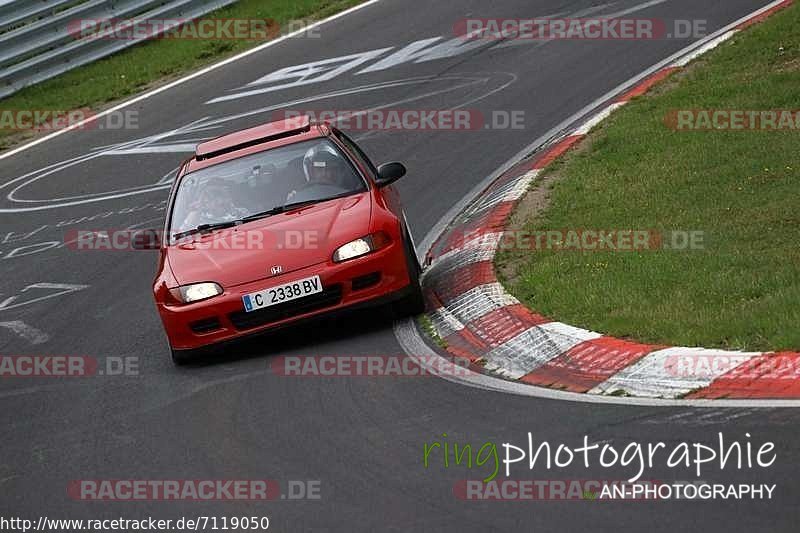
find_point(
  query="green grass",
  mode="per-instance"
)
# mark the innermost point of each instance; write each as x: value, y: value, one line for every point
x: 742, y: 189
x: 426, y: 324
x: 137, y: 68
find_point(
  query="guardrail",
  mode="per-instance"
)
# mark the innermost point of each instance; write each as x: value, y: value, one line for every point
x: 36, y: 43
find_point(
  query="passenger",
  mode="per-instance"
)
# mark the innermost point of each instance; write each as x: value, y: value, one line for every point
x: 216, y: 204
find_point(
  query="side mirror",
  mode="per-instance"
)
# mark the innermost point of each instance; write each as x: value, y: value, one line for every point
x: 389, y: 173
x: 146, y: 239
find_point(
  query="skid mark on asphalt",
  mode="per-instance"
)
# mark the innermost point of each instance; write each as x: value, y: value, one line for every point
x: 723, y: 416
x: 21, y: 392
x: 583, y: 13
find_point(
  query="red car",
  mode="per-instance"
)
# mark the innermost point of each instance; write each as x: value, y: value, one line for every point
x: 275, y: 224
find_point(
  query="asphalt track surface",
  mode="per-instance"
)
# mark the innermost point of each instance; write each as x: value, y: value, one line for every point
x: 361, y: 438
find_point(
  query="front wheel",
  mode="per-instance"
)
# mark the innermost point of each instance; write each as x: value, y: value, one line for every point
x: 414, y: 303
x: 183, y: 357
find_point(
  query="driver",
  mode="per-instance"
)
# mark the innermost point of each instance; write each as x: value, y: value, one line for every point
x: 323, y: 167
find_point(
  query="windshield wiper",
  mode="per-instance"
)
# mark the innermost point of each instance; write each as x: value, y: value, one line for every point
x: 278, y: 210
x: 206, y: 228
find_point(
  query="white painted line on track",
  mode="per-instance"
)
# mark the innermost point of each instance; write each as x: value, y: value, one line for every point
x: 184, y: 79
x: 600, y: 117
x: 705, y: 48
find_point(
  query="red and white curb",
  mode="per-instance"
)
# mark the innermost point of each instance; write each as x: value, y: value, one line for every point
x: 479, y: 321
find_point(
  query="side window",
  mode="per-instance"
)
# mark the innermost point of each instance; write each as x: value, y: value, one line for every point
x: 360, y: 155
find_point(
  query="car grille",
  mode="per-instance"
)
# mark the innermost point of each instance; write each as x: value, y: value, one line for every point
x: 328, y: 297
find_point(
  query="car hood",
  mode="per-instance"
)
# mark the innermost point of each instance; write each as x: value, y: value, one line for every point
x: 292, y: 241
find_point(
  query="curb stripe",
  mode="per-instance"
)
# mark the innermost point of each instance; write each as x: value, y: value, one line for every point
x: 588, y: 364
x: 556, y: 151
x: 647, y: 84
x: 772, y: 375
x: 501, y: 325
x: 535, y: 347
x: 475, y: 251
x: 492, y: 221
x: 597, y: 119
x: 444, y: 322
x: 659, y: 375
x: 466, y: 346
x: 463, y: 279
x: 478, y: 301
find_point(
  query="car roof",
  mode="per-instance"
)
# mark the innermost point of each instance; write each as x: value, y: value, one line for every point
x: 258, y: 139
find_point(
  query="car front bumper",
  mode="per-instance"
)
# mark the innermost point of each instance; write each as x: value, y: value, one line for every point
x: 376, y: 278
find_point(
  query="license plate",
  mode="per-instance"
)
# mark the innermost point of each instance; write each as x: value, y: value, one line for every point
x: 282, y: 293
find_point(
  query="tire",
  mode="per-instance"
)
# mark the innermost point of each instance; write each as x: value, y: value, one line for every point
x: 183, y: 357
x: 414, y: 303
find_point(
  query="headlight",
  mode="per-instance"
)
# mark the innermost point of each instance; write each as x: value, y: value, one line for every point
x: 196, y: 292
x: 361, y: 246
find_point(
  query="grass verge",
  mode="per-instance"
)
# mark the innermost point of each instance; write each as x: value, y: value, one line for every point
x: 426, y: 324
x: 151, y: 63
x: 740, y: 188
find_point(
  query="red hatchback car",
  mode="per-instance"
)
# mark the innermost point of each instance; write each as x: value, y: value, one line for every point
x: 275, y: 224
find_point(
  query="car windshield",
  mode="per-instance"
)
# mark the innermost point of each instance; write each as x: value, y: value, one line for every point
x: 257, y: 184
